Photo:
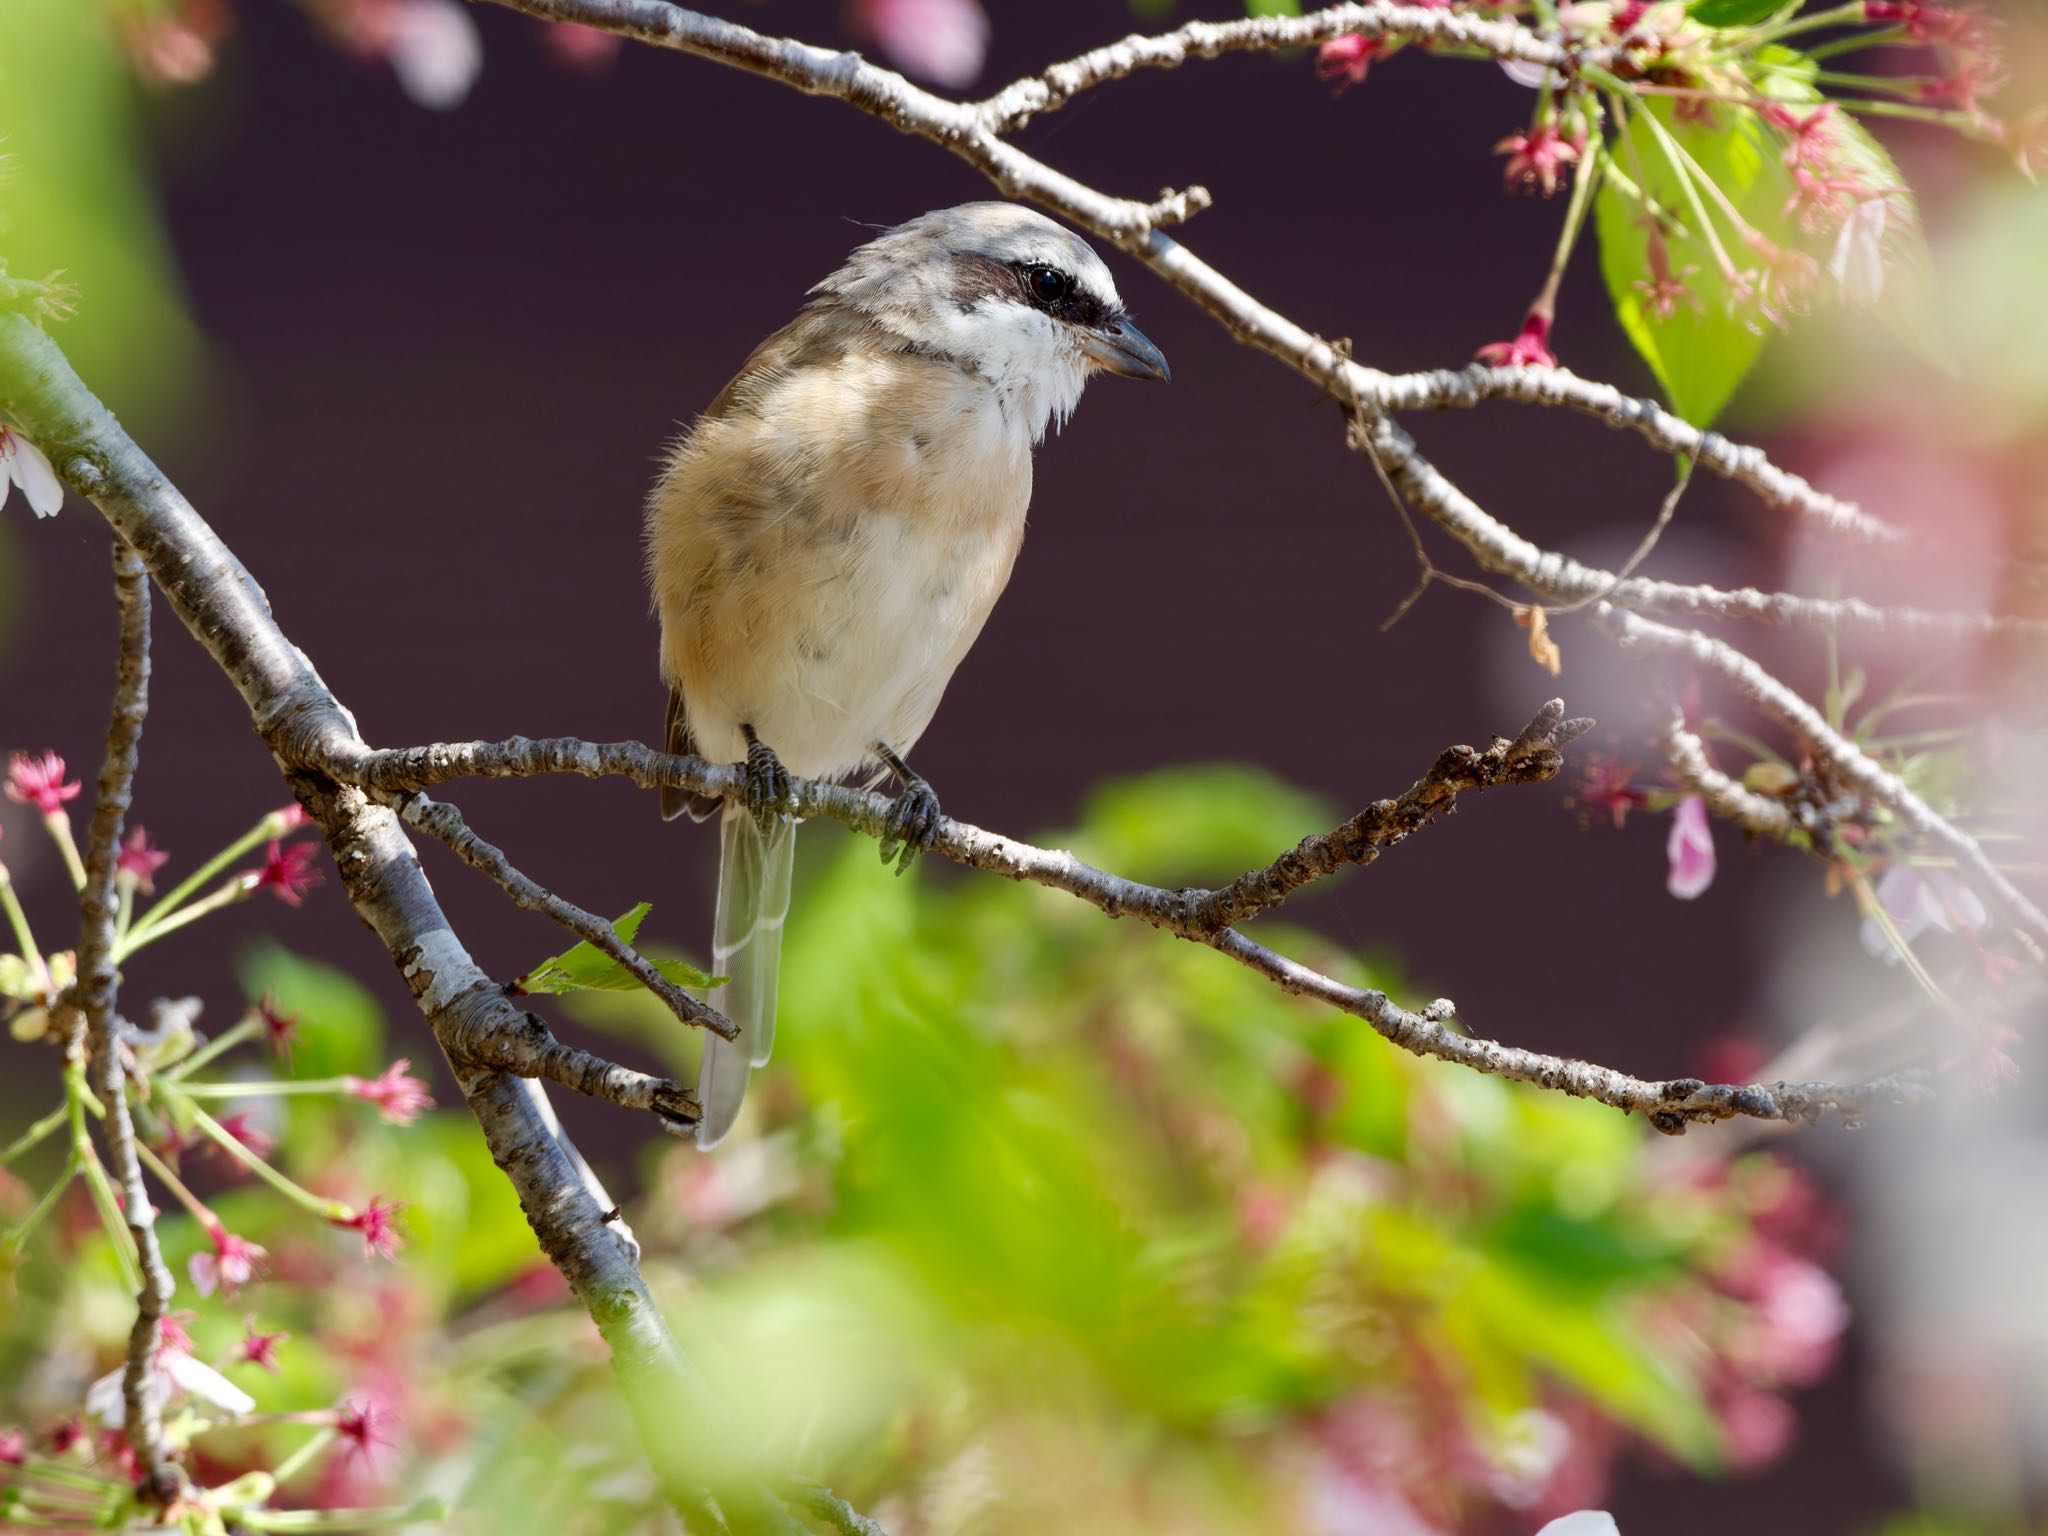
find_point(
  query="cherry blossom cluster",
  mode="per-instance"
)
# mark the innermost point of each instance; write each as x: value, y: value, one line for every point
x: 435, y: 53
x: 174, y: 1076
x: 1844, y: 220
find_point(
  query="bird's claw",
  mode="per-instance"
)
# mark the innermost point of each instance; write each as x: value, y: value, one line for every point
x: 912, y: 825
x: 769, y: 792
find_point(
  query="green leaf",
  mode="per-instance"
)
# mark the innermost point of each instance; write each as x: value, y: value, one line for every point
x: 1733, y: 13
x: 1702, y: 350
x: 586, y: 968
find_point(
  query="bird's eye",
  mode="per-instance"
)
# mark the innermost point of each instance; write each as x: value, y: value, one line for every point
x: 1048, y: 285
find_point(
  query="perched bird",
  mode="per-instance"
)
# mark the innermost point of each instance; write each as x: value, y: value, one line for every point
x: 826, y: 541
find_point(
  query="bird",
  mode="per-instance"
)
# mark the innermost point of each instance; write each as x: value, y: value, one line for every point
x: 825, y: 542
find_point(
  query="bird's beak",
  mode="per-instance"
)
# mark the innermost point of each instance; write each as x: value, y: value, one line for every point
x: 1121, y: 348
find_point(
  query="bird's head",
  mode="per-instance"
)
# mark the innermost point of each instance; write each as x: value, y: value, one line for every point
x: 1004, y: 292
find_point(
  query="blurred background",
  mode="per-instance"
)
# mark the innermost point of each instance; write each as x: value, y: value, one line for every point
x: 1048, y: 1224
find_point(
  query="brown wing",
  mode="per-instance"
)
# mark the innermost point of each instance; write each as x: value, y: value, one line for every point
x: 676, y: 741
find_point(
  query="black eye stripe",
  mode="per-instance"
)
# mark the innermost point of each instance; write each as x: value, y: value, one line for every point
x: 1048, y: 288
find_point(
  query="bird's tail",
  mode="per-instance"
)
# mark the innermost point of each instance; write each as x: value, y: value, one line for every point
x: 746, y: 948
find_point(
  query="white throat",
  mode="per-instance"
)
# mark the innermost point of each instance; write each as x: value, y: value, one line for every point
x: 1028, y: 359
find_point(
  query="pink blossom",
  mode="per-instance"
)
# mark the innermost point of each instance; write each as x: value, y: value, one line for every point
x: 1529, y: 349
x: 1664, y: 290
x: 175, y: 44
x: 259, y: 1348
x: 398, y: 1098
x: 1344, y: 60
x: 13, y: 1447
x: 281, y: 1027
x: 581, y: 47
x: 1607, y: 789
x: 171, y: 1334
x: 434, y: 51
x: 943, y: 41
x: 1918, y: 900
x: 1819, y: 199
x: 1627, y: 14
x: 39, y: 781
x: 232, y: 1264
x: 1812, y: 143
x: 138, y: 860
x: 1971, y: 76
x: 22, y: 463
x: 1690, y: 847
x: 364, y: 1425
x: 1925, y: 21
x: 1536, y: 158
x: 1757, y: 1427
x: 1796, y: 1319
x: 379, y: 1232
x: 242, y: 1126
x: 288, y: 870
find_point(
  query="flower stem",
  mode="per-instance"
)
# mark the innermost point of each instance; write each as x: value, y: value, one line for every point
x: 18, y: 1235
x: 227, y: 1040
x: 225, y: 1139
x: 1840, y: 16
x: 147, y: 932
x: 261, y: 833
x: 263, y: 1088
x: 112, y: 1217
x: 1889, y: 85
x: 1680, y: 161
x: 176, y: 1186
x: 35, y: 1133
x: 59, y: 827
x: 295, y: 1463
x: 18, y: 920
x: 124, y: 914
x: 1583, y: 183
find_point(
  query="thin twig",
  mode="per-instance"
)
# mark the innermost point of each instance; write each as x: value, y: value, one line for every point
x: 1016, y: 104
x: 1669, y: 1104
x: 160, y: 1480
x: 834, y: 1510
x: 1643, y: 548
x: 1533, y: 756
x: 1831, y: 749
x: 1725, y: 797
x: 445, y: 822
x: 1442, y: 389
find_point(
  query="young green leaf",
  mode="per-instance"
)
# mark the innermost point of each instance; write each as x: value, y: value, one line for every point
x: 1733, y: 13
x: 586, y: 968
x: 1697, y: 336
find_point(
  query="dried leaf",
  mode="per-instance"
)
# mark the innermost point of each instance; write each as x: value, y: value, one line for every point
x: 1542, y: 649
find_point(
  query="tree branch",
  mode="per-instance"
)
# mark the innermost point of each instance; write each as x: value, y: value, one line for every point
x: 1016, y: 104
x: 1670, y: 1104
x: 443, y: 821
x: 1441, y: 389
x: 1830, y: 748
x: 296, y: 715
x: 1725, y: 797
x: 1563, y: 580
x: 160, y: 1481
x: 1532, y: 757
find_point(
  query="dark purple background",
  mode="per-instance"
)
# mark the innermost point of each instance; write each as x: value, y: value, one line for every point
x: 448, y: 349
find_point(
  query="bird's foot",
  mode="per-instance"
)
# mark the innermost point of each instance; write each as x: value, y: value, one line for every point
x: 913, y: 821
x: 769, y: 793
